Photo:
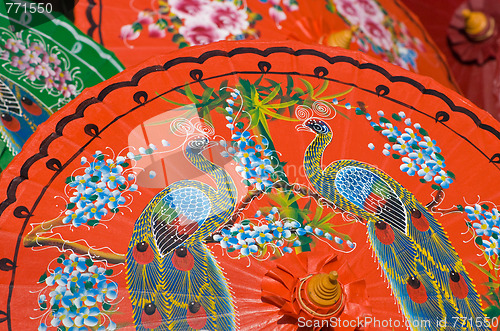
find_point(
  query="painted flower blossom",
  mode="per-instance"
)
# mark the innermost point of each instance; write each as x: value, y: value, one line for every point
x: 201, y: 31
x: 188, y: 8
x: 228, y: 17
x: 127, y: 32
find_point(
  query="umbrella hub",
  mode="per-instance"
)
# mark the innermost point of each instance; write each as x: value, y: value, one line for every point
x: 478, y: 26
x: 321, y: 295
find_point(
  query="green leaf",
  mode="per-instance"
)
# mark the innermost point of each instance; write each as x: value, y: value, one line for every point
x: 61, y: 328
x: 114, y: 210
x: 122, y: 187
x: 460, y: 207
x: 61, y: 258
x: 397, y: 117
x: 396, y: 156
x: 478, y: 241
x: 240, y: 125
x: 69, y: 179
x: 43, y: 277
x: 70, y: 206
x: 190, y: 95
x: 245, y: 222
x: 54, y: 308
x: 43, y: 306
x: 423, y: 132
x: 309, y: 87
x: 330, y: 7
x: 384, y: 120
x: 207, y: 93
x: 377, y: 128
x: 435, y: 187
x: 392, y: 139
x: 422, y: 180
x: 125, y: 164
x: 92, y: 222
x: 439, y: 156
x: 108, y: 272
x: 183, y: 44
x: 485, y: 206
x: 88, y: 285
x: 137, y: 26
x: 100, y: 157
x: 89, y: 262
x: 177, y: 37
x: 359, y: 111
x: 106, y: 306
x: 492, y: 311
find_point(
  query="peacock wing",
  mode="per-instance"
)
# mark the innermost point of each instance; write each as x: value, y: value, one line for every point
x: 177, y: 216
x: 194, y: 293
x: 369, y: 196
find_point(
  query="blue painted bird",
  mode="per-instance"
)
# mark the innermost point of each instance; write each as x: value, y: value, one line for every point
x: 173, y: 280
x: 20, y: 113
x: 425, y: 273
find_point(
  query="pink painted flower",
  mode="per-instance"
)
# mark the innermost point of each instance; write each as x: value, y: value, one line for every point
x: 36, y: 48
x: 277, y: 15
x: 201, y: 31
x: 229, y: 18
x: 52, y: 59
x: 67, y: 90
x: 145, y: 17
x: 378, y: 34
x: 156, y: 31
x: 45, y: 70
x: 32, y: 74
x: 127, y: 32
x: 50, y: 83
x: 17, y: 62
x: 31, y: 57
x: 15, y: 45
x: 291, y: 5
x: 370, y: 9
x: 349, y: 10
x: 274, y: 2
x: 61, y: 75
x: 188, y: 8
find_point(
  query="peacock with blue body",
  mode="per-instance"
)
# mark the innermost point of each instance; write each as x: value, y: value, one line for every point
x: 173, y: 280
x: 425, y: 273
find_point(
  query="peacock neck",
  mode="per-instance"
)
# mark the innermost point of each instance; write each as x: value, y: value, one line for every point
x: 226, y: 194
x: 313, y: 157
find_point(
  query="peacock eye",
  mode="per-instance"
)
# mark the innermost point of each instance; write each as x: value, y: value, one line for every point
x: 181, y: 251
x: 413, y: 282
x: 150, y: 308
x: 416, y: 213
x: 454, y: 276
x: 27, y: 101
x: 142, y: 246
x: 194, y: 307
x: 381, y: 225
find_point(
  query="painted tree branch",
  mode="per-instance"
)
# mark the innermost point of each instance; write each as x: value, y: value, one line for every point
x: 35, y: 239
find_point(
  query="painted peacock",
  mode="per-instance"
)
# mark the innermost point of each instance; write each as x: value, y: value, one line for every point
x: 173, y: 280
x: 424, y: 271
x: 20, y: 114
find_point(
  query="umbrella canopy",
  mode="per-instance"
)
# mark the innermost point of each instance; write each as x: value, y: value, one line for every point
x: 473, y: 62
x: 45, y: 62
x: 255, y: 185
x: 384, y: 29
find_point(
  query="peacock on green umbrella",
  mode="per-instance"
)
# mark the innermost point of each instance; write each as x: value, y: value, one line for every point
x: 173, y: 280
x: 425, y: 273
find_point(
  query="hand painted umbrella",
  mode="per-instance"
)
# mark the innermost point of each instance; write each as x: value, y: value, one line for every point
x: 45, y: 62
x: 384, y: 29
x: 255, y: 186
x: 467, y: 34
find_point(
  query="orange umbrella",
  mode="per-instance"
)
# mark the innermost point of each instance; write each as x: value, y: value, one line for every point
x: 384, y: 29
x: 255, y: 185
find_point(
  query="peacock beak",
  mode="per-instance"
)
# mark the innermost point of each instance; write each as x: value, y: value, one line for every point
x: 302, y: 127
